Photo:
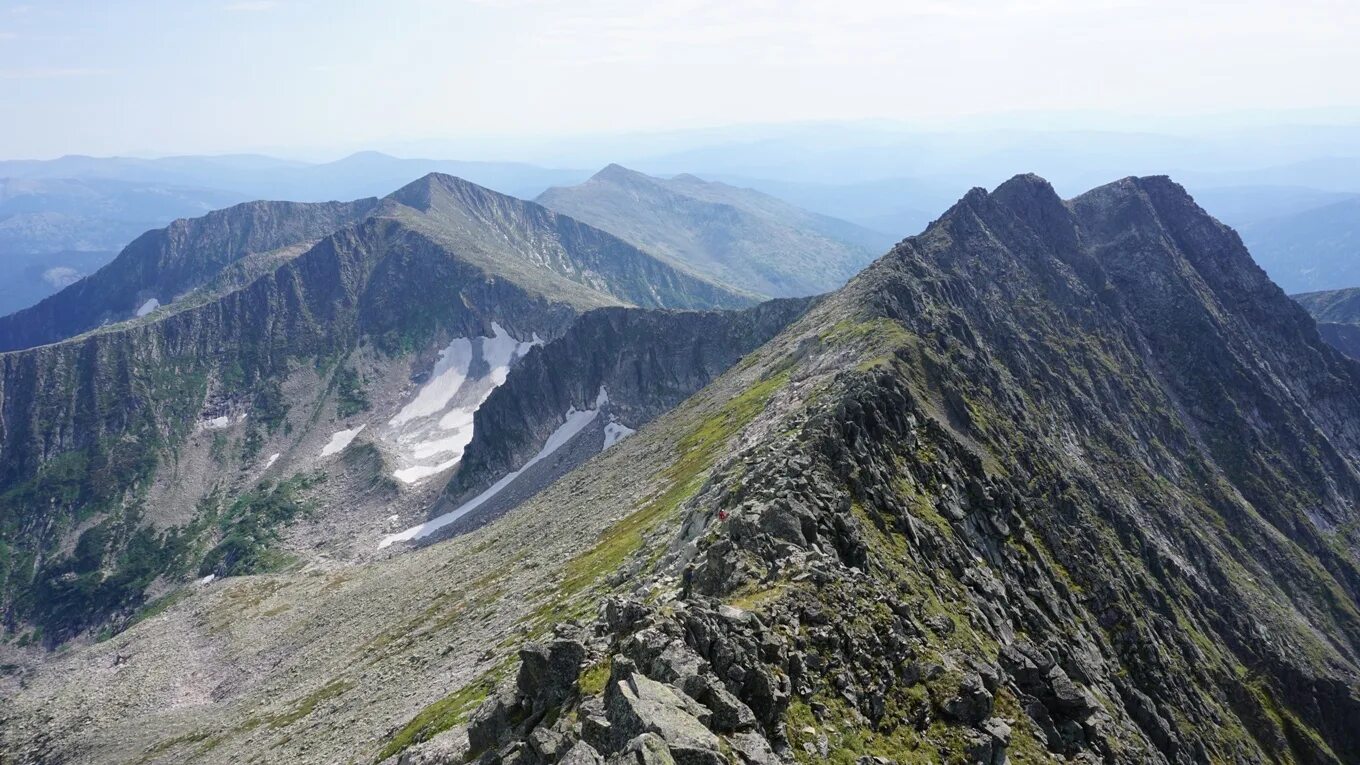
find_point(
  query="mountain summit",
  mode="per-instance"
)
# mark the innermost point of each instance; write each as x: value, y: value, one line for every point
x: 740, y: 237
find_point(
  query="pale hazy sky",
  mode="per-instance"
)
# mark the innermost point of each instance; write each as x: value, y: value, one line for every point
x: 198, y: 76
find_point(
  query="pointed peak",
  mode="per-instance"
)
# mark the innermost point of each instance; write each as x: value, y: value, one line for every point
x: 1026, y: 186
x: 422, y: 192
x: 1033, y: 200
x: 1159, y: 187
x: 617, y: 173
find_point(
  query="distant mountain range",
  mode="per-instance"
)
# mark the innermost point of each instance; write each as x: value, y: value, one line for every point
x: 51, y: 209
x: 741, y: 237
x: 363, y: 174
x: 1337, y: 313
x: 881, y: 180
x: 55, y: 230
x: 1310, y: 249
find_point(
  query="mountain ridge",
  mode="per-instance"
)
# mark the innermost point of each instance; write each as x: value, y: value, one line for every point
x: 94, y: 427
x: 741, y: 237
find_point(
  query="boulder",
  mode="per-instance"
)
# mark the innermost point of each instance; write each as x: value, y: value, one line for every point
x: 548, y: 673
x: 645, y: 749
x: 637, y: 704
x: 972, y: 703
x: 490, y: 724
x: 581, y: 754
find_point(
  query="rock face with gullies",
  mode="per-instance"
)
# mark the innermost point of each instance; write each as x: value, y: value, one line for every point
x: 166, y: 263
x: 647, y: 361
x: 87, y: 425
x: 1052, y: 481
x: 739, y: 237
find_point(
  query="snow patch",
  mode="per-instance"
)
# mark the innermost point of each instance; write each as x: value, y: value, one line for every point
x: 576, y: 421
x: 272, y: 459
x: 420, y: 472
x: 429, y: 434
x: 148, y: 307
x: 340, y: 440
x: 614, y: 432
x: 448, y: 375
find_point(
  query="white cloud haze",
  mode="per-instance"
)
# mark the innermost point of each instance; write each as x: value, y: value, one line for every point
x: 165, y: 76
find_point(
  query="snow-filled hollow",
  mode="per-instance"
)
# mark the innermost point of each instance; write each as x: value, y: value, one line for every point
x: 576, y: 421
x: 429, y: 434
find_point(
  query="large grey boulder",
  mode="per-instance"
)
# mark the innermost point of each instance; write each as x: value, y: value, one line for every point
x: 581, y: 754
x: 637, y: 704
x: 548, y: 673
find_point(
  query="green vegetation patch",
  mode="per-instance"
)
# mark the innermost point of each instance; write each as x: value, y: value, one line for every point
x: 445, y: 713
x: 307, y: 704
x: 350, y: 396
x: 697, y: 451
x: 593, y: 679
x: 249, y: 528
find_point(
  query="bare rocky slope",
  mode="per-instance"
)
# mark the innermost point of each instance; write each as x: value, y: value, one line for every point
x: 740, y: 237
x: 1086, y: 489
x: 1052, y: 481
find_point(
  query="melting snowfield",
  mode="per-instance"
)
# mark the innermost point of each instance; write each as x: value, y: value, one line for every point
x: 339, y: 440
x: 576, y: 421
x: 429, y: 434
x: 614, y: 432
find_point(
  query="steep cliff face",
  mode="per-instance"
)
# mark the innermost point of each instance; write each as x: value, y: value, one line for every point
x: 1051, y: 480
x: 162, y: 265
x: 739, y: 237
x: 646, y: 362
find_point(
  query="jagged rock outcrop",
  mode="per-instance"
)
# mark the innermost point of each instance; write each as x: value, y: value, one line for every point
x: 740, y: 237
x: 1087, y: 491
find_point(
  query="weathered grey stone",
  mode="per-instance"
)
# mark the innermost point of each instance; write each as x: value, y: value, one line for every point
x: 753, y: 748
x: 638, y: 704
x: 490, y: 724
x: 581, y: 753
x: 971, y: 704
x: 645, y: 749
x: 729, y: 713
x: 547, y: 674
